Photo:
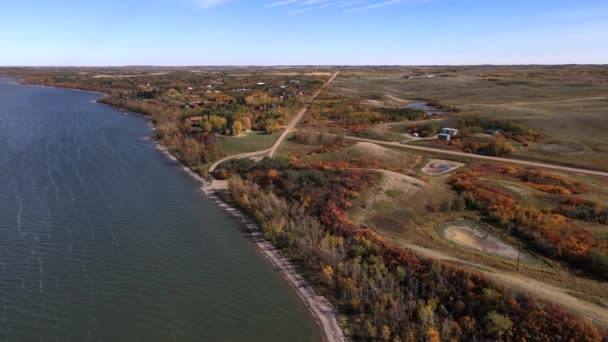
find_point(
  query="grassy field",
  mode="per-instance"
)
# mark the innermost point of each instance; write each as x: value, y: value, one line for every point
x: 248, y: 142
x: 570, y: 106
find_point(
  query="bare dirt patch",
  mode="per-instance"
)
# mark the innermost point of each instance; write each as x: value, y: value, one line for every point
x: 482, y: 241
x: 372, y: 103
x: 374, y: 151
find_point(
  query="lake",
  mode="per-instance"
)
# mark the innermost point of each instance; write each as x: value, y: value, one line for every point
x: 102, y: 238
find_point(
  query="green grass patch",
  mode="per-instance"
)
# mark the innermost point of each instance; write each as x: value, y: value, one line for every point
x: 393, y: 193
x: 384, y: 207
x: 248, y: 142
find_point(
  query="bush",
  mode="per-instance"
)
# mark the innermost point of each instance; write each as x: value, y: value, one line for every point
x: 427, y: 129
x: 499, y: 147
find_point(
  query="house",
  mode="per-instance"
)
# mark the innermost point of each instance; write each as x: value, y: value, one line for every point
x: 196, y: 120
x: 261, y: 83
x: 452, y: 132
x: 444, y: 137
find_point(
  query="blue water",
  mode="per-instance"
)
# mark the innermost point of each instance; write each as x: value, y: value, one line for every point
x: 425, y: 107
x: 104, y: 239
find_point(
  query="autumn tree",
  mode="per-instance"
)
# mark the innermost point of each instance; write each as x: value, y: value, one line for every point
x: 271, y: 126
x: 207, y: 127
x: 246, y: 122
x: 237, y: 128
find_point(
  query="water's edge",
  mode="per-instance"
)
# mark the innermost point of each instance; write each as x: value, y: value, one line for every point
x: 320, y: 307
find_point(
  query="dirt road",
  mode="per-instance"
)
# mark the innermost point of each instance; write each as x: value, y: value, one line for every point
x: 482, y: 157
x: 536, y: 288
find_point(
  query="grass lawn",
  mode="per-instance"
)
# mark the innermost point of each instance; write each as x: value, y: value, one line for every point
x: 248, y: 142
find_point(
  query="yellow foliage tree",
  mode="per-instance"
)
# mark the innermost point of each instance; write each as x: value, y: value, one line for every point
x: 246, y: 122
x: 237, y: 128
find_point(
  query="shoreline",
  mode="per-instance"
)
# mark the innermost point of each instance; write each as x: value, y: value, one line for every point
x: 321, y: 309
x: 323, y: 312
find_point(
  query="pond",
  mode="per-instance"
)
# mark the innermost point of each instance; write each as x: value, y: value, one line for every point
x: 430, y: 110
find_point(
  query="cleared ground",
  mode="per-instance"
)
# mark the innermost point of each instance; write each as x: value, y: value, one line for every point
x: 482, y: 241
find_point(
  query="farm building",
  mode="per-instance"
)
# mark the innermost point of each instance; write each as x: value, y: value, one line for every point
x: 452, y: 132
x: 444, y: 137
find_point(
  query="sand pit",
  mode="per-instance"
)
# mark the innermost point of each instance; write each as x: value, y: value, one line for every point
x: 438, y: 167
x: 479, y: 240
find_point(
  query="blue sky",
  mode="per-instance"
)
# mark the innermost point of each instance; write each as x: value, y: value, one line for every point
x: 296, y: 32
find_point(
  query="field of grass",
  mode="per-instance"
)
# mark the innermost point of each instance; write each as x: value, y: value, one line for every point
x: 570, y: 106
x: 248, y: 142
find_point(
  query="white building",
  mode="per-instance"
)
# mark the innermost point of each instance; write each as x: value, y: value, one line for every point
x: 452, y: 132
x: 444, y: 137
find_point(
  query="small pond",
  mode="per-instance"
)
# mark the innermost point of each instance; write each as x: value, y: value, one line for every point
x: 430, y: 110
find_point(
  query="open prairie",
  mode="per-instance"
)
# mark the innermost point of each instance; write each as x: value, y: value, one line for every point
x: 568, y: 105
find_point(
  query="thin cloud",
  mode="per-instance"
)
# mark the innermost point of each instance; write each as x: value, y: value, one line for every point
x: 210, y: 3
x: 281, y: 3
x: 302, y: 10
x: 376, y: 5
x: 302, y: 6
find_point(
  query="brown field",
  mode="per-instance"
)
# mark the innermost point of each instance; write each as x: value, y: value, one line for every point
x: 567, y: 104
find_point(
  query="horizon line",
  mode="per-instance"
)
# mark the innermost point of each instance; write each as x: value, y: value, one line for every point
x: 295, y: 65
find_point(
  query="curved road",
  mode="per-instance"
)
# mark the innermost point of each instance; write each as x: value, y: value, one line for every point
x: 290, y: 128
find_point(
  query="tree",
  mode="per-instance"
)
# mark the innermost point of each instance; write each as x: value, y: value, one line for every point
x: 499, y: 147
x: 270, y: 126
x: 499, y: 325
x: 432, y: 335
x: 246, y: 122
x: 237, y: 128
x: 207, y: 127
